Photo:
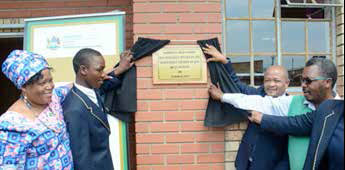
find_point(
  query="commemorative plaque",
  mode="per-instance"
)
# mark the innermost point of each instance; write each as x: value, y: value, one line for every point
x: 179, y: 64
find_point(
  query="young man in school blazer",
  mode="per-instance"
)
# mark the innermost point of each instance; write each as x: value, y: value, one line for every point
x: 84, y: 112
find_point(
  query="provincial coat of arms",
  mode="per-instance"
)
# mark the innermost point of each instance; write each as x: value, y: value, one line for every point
x: 53, y: 43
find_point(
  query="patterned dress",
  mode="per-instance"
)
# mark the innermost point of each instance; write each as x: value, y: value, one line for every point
x: 39, y: 144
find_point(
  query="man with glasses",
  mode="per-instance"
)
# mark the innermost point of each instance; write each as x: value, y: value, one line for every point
x: 318, y: 80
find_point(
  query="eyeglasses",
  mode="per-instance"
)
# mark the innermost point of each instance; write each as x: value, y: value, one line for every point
x: 309, y: 80
x: 322, y: 57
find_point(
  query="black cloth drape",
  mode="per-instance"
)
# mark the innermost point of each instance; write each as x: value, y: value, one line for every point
x: 146, y: 46
x: 221, y: 114
x: 123, y: 101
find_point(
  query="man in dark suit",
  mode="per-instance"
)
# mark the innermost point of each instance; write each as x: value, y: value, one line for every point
x: 259, y: 149
x: 325, y: 127
x: 84, y: 112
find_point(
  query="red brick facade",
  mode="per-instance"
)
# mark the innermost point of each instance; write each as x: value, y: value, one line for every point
x: 169, y: 124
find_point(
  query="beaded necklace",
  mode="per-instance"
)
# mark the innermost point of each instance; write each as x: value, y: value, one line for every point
x: 29, y: 106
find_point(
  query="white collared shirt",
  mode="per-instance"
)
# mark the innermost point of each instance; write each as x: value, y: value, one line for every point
x: 90, y: 93
x: 278, y: 106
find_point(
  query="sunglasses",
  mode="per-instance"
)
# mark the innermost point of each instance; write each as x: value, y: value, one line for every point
x: 309, y: 80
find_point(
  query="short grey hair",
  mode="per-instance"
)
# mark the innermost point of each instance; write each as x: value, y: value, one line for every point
x: 326, y: 66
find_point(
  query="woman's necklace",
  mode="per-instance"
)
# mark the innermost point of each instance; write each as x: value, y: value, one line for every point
x: 26, y: 101
x: 36, y: 113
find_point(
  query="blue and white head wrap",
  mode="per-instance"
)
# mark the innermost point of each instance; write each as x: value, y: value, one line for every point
x: 21, y: 65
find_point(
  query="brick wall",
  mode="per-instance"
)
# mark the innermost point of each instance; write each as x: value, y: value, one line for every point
x: 169, y: 122
x: 10, y: 9
x: 340, y: 48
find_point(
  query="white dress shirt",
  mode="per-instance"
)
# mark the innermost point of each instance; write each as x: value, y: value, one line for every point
x: 278, y: 106
x: 90, y: 93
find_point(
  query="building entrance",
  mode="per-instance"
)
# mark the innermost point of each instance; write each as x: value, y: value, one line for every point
x: 8, y: 92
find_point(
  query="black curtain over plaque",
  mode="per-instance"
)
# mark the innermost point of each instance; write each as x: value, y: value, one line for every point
x: 123, y: 101
x: 217, y: 113
x: 146, y: 46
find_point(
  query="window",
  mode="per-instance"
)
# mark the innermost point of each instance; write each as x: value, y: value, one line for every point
x: 299, y: 11
x: 254, y: 33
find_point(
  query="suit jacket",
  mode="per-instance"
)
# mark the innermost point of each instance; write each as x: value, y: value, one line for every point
x: 259, y: 149
x: 89, y: 130
x: 319, y: 124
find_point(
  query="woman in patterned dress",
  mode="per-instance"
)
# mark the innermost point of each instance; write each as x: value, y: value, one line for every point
x: 32, y: 131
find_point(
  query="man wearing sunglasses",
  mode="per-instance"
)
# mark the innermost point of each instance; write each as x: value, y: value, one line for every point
x: 318, y: 80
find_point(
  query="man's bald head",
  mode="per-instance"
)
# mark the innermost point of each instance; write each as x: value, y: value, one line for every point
x: 276, y: 81
x: 278, y: 70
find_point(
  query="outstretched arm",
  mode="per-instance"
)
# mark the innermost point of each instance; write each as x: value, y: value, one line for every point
x: 219, y: 57
x: 113, y: 80
x: 268, y: 105
x: 126, y: 62
x: 295, y: 125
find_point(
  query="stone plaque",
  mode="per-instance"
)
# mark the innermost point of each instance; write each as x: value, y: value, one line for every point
x: 179, y: 64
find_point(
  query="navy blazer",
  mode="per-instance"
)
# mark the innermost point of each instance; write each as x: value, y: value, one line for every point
x: 88, y: 129
x: 259, y: 149
x: 319, y: 124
